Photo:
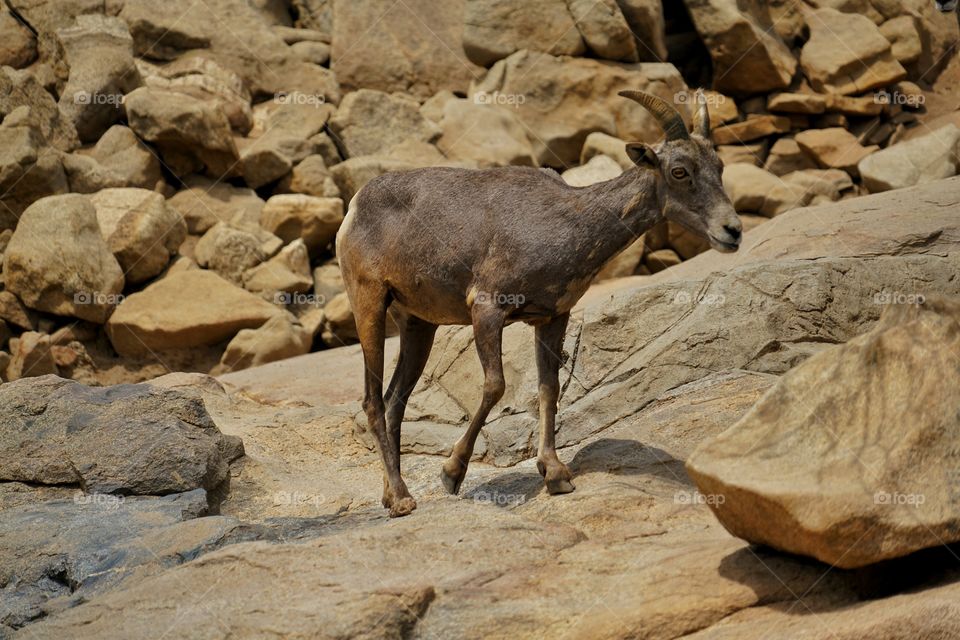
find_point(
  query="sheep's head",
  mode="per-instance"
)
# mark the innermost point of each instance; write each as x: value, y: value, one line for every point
x: 690, y: 173
x: 947, y: 5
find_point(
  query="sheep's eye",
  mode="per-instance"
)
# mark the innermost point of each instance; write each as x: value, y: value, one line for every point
x: 679, y: 173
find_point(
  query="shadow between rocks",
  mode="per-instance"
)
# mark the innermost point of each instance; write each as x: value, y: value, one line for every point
x: 628, y: 457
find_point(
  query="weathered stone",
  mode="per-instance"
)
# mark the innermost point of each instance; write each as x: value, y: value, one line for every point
x: 906, y: 44
x: 29, y: 169
x: 183, y: 310
x: 834, y: 148
x: 99, y: 51
x: 810, y: 103
x: 598, y: 143
x: 786, y: 156
x: 327, y: 282
x: 562, y: 100
x: 30, y: 357
x: 854, y: 106
x: 312, y: 178
x: 847, y: 54
x: 645, y: 18
x: 288, y: 272
x: 924, y: 159
x: 419, y: 48
x: 598, y: 169
x: 205, y: 202
x: 495, y: 29
x: 748, y: 55
x: 624, y: 263
x: 339, y: 327
x: 22, y: 89
x: 18, y: 46
x: 657, y: 261
x: 192, y: 135
x: 736, y: 153
x: 118, y: 159
x: 313, y: 220
x: 751, y: 129
x: 281, y: 138
x: 208, y: 81
x: 14, y: 312
x: 483, y: 135
x: 604, y: 29
x: 58, y: 262
x: 867, y: 436
x: 278, y: 338
x: 752, y: 189
x: 140, y: 229
x: 370, y: 122
x: 229, y: 251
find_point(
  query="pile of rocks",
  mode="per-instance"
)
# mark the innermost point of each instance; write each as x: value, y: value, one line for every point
x: 172, y: 181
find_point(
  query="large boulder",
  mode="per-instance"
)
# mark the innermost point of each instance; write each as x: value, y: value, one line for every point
x: 192, y: 135
x: 286, y: 272
x: 852, y: 457
x: 18, y: 45
x: 28, y: 170
x: 748, y: 55
x: 57, y: 260
x: 183, y: 310
x: 562, y: 100
x: 483, y: 135
x: 370, y: 122
x: 419, y: 47
x: 847, y: 54
x: 280, y: 337
x: 205, y: 202
x: 126, y: 439
x: 755, y: 190
x: 140, y: 229
x: 646, y: 21
x: 23, y: 89
x: 229, y: 251
x: 99, y: 51
x: 833, y: 148
x: 495, y: 29
x: 604, y: 29
x: 924, y: 159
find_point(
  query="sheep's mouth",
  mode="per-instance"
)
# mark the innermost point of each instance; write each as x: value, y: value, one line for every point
x: 947, y: 7
x: 722, y: 246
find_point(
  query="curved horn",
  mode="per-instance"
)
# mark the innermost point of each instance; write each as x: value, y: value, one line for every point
x: 701, y: 117
x: 667, y: 116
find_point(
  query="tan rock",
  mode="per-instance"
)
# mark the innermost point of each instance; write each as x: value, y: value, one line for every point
x: 736, y: 153
x: 562, y: 100
x: 280, y: 337
x: 598, y: 169
x: 204, y: 203
x: 58, y: 262
x: 495, y: 29
x: 854, y: 106
x: 904, y: 37
x: 420, y: 46
x: 834, y: 148
x: 850, y: 458
x: 624, y: 263
x: 748, y: 55
x: 287, y: 272
x: 847, y: 54
x: 754, y: 190
x: 661, y: 259
x: 751, y: 129
x: 370, y: 122
x: 796, y: 103
x: 598, y: 143
x: 604, y: 29
x: 786, y: 156
x: 19, y: 46
x: 118, y: 159
x: 311, y: 177
x: 314, y: 220
x: 140, y: 229
x: 184, y: 310
x: 924, y: 159
x: 15, y: 313
x: 483, y: 135
x: 646, y: 21
x: 31, y: 357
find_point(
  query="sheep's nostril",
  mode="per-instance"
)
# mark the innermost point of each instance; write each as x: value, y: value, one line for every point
x: 733, y: 231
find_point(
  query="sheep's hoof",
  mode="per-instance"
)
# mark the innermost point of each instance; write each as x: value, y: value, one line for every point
x: 402, y: 507
x: 451, y: 484
x: 558, y: 486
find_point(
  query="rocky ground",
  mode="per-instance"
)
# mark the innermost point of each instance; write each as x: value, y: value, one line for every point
x: 146, y: 536
x: 172, y: 180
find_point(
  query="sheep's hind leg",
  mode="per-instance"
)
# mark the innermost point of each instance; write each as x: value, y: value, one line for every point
x: 369, y: 302
x: 416, y: 341
x: 488, y: 333
x: 549, y: 337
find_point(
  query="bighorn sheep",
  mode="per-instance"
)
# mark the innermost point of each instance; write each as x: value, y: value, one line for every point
x: 946, y: 6
x: 488, y: 247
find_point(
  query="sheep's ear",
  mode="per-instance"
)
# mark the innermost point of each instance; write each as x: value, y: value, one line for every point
x: 643, y: 155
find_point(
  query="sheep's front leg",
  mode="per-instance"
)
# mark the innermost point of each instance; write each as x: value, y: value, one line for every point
x: 549, y: 338
x: 488, y: 334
